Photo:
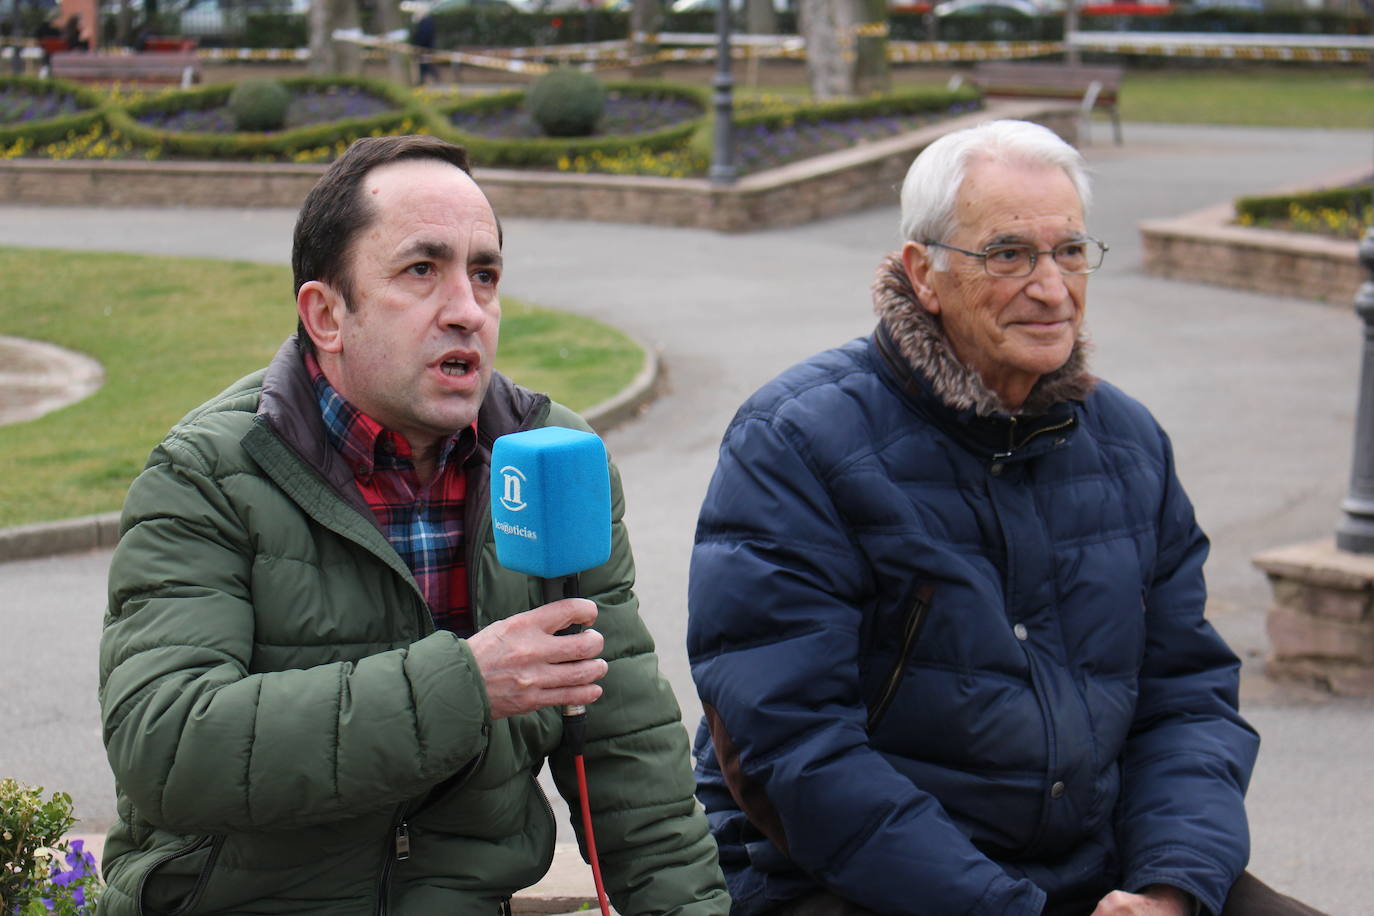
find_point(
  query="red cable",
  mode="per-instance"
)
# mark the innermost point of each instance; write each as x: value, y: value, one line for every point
x: 601, y: 898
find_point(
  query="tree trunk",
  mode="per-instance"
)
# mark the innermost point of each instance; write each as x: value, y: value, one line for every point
x: 398, y: 68
x: 124, y: 24
x: 760, y: 18
x: 646, y: 19
x: 323, y: 60
x: 846, y: 47
x: 1070, y: 26
x: 871, y: 73
x: 327, y: 56
x: 824, y: 33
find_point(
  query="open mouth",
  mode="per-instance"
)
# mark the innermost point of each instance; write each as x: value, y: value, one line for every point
x: 454, y: 366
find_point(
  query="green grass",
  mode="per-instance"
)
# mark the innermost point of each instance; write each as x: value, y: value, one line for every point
x: 1257, y: 97
x: 172, y: 332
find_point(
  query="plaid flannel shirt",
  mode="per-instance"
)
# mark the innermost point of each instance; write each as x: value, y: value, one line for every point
x: 423, y: 523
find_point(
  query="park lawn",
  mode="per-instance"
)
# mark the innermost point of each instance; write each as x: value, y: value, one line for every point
x: 1247, y: 95
x: 1318, y: 96
x: 172, y: 332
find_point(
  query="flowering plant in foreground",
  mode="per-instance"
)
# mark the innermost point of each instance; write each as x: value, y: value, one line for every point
x: 39, y: 872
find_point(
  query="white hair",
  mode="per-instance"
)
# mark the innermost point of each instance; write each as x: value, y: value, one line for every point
x: 933, y: 181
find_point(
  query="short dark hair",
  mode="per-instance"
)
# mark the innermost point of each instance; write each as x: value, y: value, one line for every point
x: 335, y: 212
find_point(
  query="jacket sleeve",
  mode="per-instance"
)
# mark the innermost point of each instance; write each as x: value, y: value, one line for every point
x: 655, y: 847
x: 776, y: 607
x: 201, y: 744
x: 1189, y: 756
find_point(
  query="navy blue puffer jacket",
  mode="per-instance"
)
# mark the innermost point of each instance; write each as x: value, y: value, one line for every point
x: 955, y: 663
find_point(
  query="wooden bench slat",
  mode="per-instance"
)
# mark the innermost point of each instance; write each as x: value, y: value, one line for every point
x: 147, y: 66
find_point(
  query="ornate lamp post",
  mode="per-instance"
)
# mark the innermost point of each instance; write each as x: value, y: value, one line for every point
x: 1355, y: 533
x: 723, y: 152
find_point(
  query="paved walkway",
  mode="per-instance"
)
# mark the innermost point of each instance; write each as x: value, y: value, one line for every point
x: 1258, y: 393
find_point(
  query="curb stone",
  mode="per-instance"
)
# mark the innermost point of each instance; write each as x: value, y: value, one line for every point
x: 566, y: 890
x: 92, y: 532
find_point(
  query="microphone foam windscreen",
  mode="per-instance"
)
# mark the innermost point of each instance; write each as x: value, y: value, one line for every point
x: 551, y: 501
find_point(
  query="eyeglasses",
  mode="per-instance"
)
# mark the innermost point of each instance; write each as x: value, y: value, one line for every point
x: 1079, y: 256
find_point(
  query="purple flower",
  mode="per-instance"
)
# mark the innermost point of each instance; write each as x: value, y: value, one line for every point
x: 79, y: 895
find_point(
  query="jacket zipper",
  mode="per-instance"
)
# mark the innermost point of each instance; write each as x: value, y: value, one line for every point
x: 397, y: 850
x: 915, y: 620
x: 1013, y: 447
x: 200, y: 882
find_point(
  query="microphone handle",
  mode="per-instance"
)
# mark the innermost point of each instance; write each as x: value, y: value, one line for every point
x: 555, y: 590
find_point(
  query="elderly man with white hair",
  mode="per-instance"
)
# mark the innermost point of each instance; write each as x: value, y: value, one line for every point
x: 947, y: 597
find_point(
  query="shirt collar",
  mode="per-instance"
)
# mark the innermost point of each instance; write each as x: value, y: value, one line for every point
x: 364, y: 443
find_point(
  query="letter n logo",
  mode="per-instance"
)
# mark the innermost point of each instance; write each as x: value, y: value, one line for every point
x: 512, y: 483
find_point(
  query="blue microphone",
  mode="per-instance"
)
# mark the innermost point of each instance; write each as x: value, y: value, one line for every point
x: 551, y: 509
x: 551, y: 502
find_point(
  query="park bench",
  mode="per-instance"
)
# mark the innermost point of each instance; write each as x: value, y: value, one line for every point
x: 1092, y: 87
x: 143, y: 67
x: 163, y: 43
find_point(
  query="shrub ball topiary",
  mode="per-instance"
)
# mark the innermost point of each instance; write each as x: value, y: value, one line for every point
x: 566, y: 103
x: 259, y: 105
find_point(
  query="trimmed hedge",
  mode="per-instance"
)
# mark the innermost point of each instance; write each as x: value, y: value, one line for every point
x: 51, y: 130
x: 914, y: 101
x: 546, y: 151
x: 277, y: 143
x: 412, y: 114
x: 1350, y: 200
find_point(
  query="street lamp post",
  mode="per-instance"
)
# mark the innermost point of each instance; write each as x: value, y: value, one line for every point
x: 1355, y: 533
x: 723, y: 151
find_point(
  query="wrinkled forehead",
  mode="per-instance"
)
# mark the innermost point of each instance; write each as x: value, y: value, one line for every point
x: 1015, y: 198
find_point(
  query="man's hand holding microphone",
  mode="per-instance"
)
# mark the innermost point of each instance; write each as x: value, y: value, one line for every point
x: 551, y: 517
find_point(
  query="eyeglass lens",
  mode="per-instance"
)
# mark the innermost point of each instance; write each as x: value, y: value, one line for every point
x: 1076, y: 257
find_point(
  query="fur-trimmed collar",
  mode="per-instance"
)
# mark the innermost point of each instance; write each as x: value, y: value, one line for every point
x: 922, y: 341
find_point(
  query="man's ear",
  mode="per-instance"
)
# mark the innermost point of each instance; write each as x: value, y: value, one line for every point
x: 321, y: 309
x: 916, y: 262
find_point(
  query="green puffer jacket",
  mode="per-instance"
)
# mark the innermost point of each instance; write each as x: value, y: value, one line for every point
x: 280, y: 713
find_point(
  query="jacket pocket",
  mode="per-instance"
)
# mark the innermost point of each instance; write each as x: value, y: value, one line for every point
x: 911, y: 632
x: 174, y: 885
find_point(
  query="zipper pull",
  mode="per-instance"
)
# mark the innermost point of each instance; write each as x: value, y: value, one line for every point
x: 402, y: 842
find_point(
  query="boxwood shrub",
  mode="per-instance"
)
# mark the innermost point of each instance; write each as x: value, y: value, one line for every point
x: 215, y: 145
x: 50, y: 130
x: 546, y: 151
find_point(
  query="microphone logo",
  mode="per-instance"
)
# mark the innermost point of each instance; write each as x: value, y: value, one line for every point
x: 512, y: 481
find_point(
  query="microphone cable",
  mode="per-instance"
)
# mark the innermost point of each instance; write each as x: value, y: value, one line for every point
x: 575, y: 740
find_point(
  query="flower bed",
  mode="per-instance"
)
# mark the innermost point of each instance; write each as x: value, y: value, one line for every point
x: 1345, y: 213
x: 309, y: 105
x: 39, y: 111
x: 651, y: 129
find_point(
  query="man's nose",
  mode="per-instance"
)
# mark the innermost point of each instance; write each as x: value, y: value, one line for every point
x: 1048, y: 282
x: 460, y: 307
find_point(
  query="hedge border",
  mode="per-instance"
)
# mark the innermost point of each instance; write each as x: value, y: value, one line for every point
x: 273, y: 143
x: 1351, y: 199
x: 426, y: 117
x: 495, y: 153
x: 51, y: 130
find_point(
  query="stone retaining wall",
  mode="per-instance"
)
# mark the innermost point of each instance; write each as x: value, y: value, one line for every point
x: 1203, y: 247
x: 865, y: 176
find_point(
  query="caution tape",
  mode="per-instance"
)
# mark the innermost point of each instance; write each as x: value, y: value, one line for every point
x: 1267, y: 47
x: 230, y: 54
x: 871, y: 30
x: 914, y: 52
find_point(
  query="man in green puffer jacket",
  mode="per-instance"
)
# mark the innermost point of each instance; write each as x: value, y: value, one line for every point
x: 320, y: 691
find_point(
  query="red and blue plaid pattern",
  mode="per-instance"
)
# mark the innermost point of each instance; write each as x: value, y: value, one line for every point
x: 423, y: 523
